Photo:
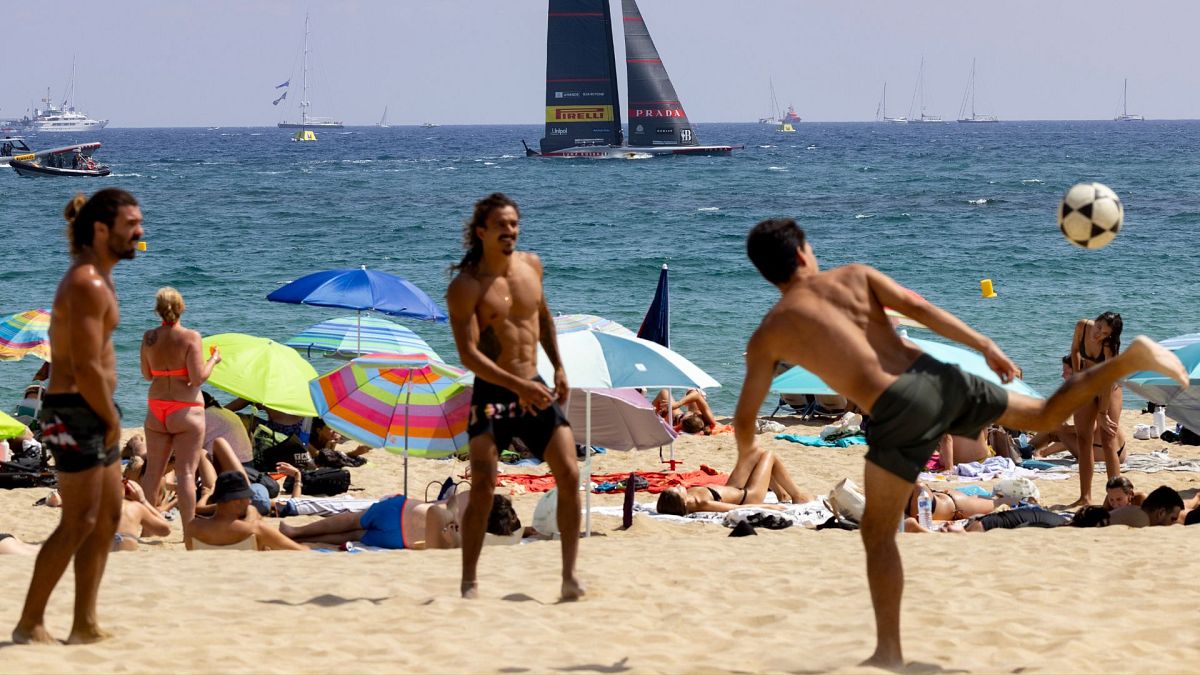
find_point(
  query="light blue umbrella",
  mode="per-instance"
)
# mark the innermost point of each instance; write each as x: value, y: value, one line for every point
x: 347, y: 337
x: 801, y: 381
x: 1183, y: 404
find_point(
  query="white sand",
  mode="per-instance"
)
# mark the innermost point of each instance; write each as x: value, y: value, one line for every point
x: 663, y: 597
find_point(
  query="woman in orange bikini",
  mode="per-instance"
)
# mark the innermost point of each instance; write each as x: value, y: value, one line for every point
x: 172, y: 362
x: 1094, y: 342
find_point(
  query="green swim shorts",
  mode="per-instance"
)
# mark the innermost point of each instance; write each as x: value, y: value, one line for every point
x: 928, y: 400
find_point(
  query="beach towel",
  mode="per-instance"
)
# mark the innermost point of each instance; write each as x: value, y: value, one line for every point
x: 655, y: 481
x: 807, y: 515
x: 822, y: 443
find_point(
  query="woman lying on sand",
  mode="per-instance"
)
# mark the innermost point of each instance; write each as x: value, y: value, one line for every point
x: 400, y: 522
x: 955, y: 505
x: 768, y: 473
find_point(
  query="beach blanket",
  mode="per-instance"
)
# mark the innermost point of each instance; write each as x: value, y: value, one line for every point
x: 991, y: 469
x: 822, y: 443
x: 1153, y: 462
x: 657, y: 481
x: 807, y: 515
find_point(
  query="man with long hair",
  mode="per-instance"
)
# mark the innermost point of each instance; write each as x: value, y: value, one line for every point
x: 833, y: 323
x: 499, y: 317
x: 81, y: 425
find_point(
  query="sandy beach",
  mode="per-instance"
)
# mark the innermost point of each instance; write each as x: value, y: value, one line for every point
x: 663, y: 597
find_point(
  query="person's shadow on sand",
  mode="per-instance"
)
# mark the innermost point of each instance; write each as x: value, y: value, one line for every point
x: 326, y: 600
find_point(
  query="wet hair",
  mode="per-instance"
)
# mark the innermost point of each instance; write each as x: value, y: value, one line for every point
x: 1066, y: 360
x: 671, y: 504
x: 772, y: 246
x: 503, y: 519
x: 1121, y: 482
x: 470, y: 238
x: 1090, y: 516
x: 1163, y: 497
x: 168, y: 303
x: 692, y: 423
x: 1113, y: 341
x: 82, y: 214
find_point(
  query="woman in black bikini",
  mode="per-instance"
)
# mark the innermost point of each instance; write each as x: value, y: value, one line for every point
x: 768, y: 473
x: 1096, y: 341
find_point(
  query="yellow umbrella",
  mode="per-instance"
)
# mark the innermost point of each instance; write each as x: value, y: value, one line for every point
x: 263, y: 371
x: 10, y: 427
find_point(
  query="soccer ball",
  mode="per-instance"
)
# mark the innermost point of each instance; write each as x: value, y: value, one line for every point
x: 1090, y: 215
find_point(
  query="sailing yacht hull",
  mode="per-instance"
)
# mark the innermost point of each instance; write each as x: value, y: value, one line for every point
x: 968, y: 120
x: 635, y: 152
x: 310, y: 125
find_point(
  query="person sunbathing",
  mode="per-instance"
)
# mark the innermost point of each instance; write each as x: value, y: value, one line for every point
x: 768, y: 473
x: 139, y: 518
x: 1163, y: 506
x: 235, y: 521
x: 1119, y: 493
x: 399, y: 522
x: 693, y: 403
x: 1012, y: 519
x: 10, y: 545
x: 954, y: 505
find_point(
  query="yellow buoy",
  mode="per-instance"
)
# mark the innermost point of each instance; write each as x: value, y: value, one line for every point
x: 141, y: 246
x: 985, y: 288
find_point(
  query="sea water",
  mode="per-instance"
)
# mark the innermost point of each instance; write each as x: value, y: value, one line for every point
x: 232, y: 214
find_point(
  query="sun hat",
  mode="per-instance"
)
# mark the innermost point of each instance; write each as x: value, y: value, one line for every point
x: 1016, y: 490
x: 231, y: 485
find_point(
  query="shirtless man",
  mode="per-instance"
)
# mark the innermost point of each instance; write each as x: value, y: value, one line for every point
x: 499, y: 316
x: 81, y: 424
x: 236, y: 520
x: 833, y: 324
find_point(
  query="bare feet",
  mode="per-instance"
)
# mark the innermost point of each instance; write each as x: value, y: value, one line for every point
x: 34, y: 635
x: 1149, y: 355
x: 1082, y: 501
x: 887, y: 662
x: 86, y: 636
x: 286, y: 530
x: 470, y: 590
x: 572, y: 590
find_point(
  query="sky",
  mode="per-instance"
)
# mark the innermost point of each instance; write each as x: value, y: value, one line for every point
x: 165, y: 63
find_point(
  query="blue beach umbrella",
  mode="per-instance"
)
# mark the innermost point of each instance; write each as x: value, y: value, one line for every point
x: 656, y: 327
x: 1183, y: 404
x: 800, y: 381
x: 363, y: 290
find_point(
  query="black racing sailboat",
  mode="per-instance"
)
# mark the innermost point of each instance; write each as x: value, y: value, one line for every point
x: 583, y: 112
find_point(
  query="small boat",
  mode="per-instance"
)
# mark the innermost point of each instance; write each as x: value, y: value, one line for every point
x: 306, y: 121
x: 969, y: 94
x: 383, y: 124
x: 881, y: 110
x: 70, y: 160
x: 919, y: 94
x: 304, y: 136
x: 430, y: 125
x: 1124, y: 115
x: 12, y: 145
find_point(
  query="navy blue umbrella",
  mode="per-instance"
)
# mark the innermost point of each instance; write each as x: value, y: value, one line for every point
x: 656, y: 327
x: 361, y: 289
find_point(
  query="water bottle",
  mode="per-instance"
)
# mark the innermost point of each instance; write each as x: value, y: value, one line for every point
x: 925, y: 509
x: 1160, y: 421
x: 4, y: 456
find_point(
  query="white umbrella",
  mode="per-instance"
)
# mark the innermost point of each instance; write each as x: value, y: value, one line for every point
x: 595, y: 360
x: 622, y: 419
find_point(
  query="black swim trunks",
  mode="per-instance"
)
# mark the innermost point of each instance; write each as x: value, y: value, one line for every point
x: 930, y: 399
x: 74, y: 434
x: 1022, y: 517
x: 496, y: 411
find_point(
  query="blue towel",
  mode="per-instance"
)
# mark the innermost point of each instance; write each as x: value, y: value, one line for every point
x: 1037, y: 464
x: 974, y: 491
x: 822, y: 443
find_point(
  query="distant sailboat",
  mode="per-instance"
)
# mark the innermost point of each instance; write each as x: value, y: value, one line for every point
x: 383, y: 120
x: 773, y: 116
x: 306, y: 121
x: 919, y: 94
x: 969, y: 93
x: 583, y: 117
x: 1125, y: 116
x: 881, y: 110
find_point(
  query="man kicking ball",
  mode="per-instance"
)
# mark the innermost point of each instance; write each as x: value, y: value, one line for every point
x: 833, y: 324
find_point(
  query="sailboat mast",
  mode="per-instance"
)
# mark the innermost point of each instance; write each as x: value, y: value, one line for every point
x: 972, y: 88
x: 304, y: 77
x: 1125, y: 99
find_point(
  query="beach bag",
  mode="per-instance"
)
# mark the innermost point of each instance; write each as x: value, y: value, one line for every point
x: 1188, y: 437
x: 322, y: 482
x: 847, y: 500
x: 263, y: 479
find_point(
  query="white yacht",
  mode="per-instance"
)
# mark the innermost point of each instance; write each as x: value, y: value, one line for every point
x: 62, y: 119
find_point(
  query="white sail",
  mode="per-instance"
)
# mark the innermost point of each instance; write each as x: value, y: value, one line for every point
x: 383, y: 120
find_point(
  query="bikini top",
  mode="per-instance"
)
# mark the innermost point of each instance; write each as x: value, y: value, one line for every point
x: 1083, y: 353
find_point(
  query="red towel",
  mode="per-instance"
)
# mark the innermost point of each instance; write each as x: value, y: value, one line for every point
x: 659, y: 481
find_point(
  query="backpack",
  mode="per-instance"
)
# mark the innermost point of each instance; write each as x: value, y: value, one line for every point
x: 321, y: 482
x: 264, y: 479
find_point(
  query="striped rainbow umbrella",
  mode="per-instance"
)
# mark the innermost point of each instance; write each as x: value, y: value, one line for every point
x: 25, y: 333
x: 408, y: 404
x: 350, y: 336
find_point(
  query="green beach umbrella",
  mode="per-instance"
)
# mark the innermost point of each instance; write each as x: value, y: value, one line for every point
x: 263, y: 371
x: 9, y: 427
